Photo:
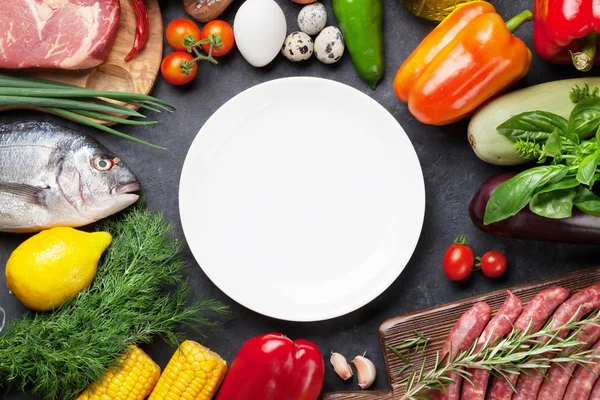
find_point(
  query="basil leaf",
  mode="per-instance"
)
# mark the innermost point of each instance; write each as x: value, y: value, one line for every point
x: 514, y: 194
x: 553, y: 204
x: 566, y: 183
x: 532, y: 126
x: 587, y: 169
x: 571, y: 137
x: 587, y: 201
x: 553, y: 145
x: 585, y: 118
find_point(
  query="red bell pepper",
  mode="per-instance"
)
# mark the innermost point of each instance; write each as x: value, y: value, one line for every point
x: 565, y: 31
x: 273, y: 367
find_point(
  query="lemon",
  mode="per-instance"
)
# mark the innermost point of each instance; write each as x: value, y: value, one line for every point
x: 54, y: 265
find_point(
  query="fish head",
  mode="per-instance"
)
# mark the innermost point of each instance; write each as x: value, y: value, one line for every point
x: 96, y: 182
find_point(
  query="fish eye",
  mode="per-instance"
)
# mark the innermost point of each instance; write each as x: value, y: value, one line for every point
x: 102, y: 163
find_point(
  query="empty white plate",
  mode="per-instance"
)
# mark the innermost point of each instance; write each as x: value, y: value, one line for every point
x: 302, y: 199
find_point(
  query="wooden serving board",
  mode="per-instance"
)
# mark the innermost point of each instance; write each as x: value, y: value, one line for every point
x: 435, y: 323
x: 137, y: 75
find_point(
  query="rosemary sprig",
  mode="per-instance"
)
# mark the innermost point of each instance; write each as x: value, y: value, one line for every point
x: 515, y: 354
x: 419, y: 340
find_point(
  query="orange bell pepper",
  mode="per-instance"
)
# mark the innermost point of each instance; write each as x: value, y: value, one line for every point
x: 468, y: 58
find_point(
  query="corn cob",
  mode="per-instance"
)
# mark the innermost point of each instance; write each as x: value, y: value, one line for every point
x: 133, y: 379
x: 193, y: 373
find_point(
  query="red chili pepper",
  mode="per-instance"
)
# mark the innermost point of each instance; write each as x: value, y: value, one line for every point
x: 142, y: 28
x: 565, y: 31
x: 274, y: 367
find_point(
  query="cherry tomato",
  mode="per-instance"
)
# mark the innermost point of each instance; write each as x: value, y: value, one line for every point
x: 493, y: 264
x: 177, y: 31
x: 171, y: 68
x: 224, y: 30
x: 458, y: 260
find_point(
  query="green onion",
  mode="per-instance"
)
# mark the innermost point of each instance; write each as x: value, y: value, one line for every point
x: 79, y: 93
x: 83, y: 105
x: 111, y: 118
x: 86, y: 121
x: 63, y: 103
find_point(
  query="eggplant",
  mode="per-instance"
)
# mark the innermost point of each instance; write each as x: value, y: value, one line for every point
x: 580, y: 228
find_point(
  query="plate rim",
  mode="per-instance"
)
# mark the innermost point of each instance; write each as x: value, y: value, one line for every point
x: 328, y: 314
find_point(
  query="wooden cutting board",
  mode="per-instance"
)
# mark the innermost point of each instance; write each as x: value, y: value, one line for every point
x: 435, y: 323
x: 137, y: 75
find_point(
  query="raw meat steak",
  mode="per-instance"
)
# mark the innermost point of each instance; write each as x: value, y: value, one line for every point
x: 65, y: 34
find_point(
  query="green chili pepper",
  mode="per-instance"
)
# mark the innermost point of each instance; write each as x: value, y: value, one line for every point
x: 361, y: 22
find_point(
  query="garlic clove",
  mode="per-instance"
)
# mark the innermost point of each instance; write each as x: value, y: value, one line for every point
x: 365, y: 370
x: 341, y: 366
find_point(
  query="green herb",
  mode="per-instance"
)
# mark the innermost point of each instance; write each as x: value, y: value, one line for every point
x: 138, y: 294
x: 532, y: 126
x: 517, y: 353
x: 409, y: 344
x: 552, y: 190
x: 554, y: 204
x: 585, y: 117
x: 82, y: 105
x: 587, y: 201
x: 513, y: 195
x: 577, y: 94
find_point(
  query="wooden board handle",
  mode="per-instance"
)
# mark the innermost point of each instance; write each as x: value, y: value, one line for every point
x: 364, y: 395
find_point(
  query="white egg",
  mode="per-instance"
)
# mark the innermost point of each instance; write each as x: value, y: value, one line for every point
x: 312, y: 18
x: 298, y: 46
x: 260, y: 29
x: 329, y: 45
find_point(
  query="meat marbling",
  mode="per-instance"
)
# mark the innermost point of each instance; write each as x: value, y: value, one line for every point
x: 63, y: 34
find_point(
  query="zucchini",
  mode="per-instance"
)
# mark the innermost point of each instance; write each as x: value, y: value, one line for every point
x: 489, y: 145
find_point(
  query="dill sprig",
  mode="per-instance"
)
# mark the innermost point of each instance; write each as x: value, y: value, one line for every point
x: 517, y: 353
x: 139, y: 293
x: 582, y: 93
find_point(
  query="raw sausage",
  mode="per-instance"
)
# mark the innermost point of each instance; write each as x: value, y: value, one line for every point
x: 576, y: 307
x: 535, y: 313
x: 500, y: 326
x: 466, y: 330
x: 583, y: 379
x: 595, y: 395
x: 559, y: 376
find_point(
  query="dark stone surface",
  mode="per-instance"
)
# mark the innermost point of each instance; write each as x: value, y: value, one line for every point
x: 452, y: 174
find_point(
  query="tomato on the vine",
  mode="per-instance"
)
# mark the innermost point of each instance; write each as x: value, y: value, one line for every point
x: 493, y: 264
x: 458, y: 260
x: 224, y: 31
x: 172, y: 70
x: 178, y: 30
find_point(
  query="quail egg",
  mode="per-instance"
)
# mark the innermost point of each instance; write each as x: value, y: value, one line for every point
x: 298, y: 46
x: 329, y: 45
x: 312, y: 18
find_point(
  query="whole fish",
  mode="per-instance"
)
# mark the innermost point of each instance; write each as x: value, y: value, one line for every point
x: 51, y: 176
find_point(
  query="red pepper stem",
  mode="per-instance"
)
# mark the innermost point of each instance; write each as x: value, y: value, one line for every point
x: 584, y: 59
x: 515, y: 22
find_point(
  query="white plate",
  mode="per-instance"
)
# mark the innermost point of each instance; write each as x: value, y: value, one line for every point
x: 302, y: 199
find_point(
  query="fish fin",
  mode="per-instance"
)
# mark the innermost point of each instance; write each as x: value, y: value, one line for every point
x: 30, y: 194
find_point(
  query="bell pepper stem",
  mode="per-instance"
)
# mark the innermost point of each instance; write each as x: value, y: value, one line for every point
x: 515, y: 22
x: 584, y: 60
